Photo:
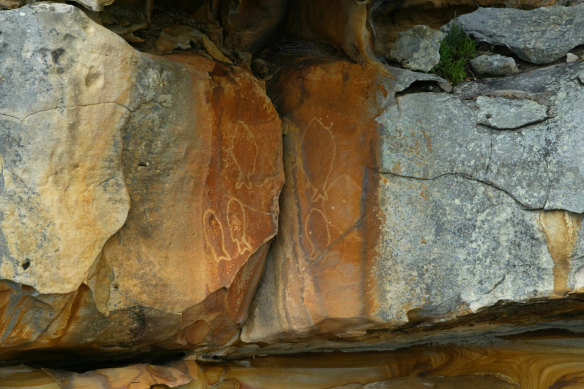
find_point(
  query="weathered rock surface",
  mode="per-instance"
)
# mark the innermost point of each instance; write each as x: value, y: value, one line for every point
x: 507, y: 114
x: 416, y: 212
x: 539, y: 36
x: 494, y: 65
x: 418, y: 48
x: 344, y: 24
x: 250, y: 23
x: 94, y: 5
x: 137, y: 195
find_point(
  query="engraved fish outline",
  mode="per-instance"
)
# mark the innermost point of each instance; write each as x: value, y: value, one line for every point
x: 209, y: 231
x: 349, y: 182
x: 238, y: 224
x: 244, y: 176
x: 317, y: 248
x: 319, y: 191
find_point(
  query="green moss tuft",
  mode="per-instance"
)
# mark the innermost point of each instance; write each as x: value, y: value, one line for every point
x: 456, y: 49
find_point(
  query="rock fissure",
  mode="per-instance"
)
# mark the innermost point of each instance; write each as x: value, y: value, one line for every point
x: 24, y: 118
x: 466, y: 177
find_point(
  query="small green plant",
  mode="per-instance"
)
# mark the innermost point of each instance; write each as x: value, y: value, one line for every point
x: 456, y: 49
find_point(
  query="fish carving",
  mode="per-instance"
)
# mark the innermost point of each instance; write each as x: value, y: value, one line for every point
x: 317, y: 231
x: 317, y: 150
x: 214, y: 236
x: 244, y: 150
x: 237, y: 222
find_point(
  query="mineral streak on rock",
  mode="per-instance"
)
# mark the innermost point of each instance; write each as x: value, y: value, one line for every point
x: 561, y: 229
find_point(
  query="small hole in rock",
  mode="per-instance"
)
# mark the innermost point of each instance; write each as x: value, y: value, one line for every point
x: 26, y: 264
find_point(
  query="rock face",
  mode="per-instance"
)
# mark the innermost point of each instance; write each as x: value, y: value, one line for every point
x: 157, y: 211
x: 538, y: 36
x: 417, y: 213
x: 494, y: 65
x: 418, y: 48
x: 135, y: 200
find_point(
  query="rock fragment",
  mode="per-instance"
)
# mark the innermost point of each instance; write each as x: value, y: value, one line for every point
x: 418, y: 48
x: 494, y: 65
x: 571, y: 57
x: 506, y: 114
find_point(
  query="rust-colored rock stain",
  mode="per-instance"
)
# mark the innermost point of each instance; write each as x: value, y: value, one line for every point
x: 561, y: 229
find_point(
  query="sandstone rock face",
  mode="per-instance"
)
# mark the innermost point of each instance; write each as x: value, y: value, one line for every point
x: 137, y: 195
x: 250, y: 23
x: 344, y: 24
x: 538, y: 36
x: 417, y: 212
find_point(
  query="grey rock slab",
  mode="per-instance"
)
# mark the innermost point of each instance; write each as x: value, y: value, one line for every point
x: 540, y: 165
x: 494, y: 65
x: 506, y: 114
x: 418, y: 48
x: 426, y: 143
x: 478, y: 247
x: 539, y: 36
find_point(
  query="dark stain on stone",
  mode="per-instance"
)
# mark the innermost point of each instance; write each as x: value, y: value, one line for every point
x: 56, y: 54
